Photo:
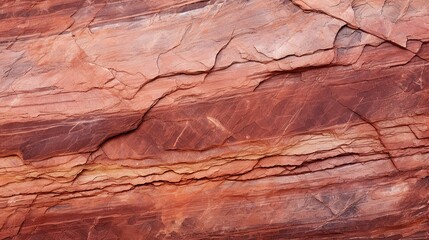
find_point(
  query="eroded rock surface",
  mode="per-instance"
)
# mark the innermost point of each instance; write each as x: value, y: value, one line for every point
x: 266, y: 119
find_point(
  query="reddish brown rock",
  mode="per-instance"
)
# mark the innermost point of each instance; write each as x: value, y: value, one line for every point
x: 214, y: 119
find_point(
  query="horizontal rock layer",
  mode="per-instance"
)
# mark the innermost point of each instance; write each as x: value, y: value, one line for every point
x: 214, y: 119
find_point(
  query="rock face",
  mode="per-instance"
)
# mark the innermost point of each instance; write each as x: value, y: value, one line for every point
x: 188, y: 119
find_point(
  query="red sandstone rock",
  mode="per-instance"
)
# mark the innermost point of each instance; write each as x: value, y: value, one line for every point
x: 214, y: 119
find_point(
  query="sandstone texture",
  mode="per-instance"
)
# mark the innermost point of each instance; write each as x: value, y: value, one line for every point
x: 214, y: 119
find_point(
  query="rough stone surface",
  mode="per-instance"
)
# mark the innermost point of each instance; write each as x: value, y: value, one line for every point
x: 188, y: 119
